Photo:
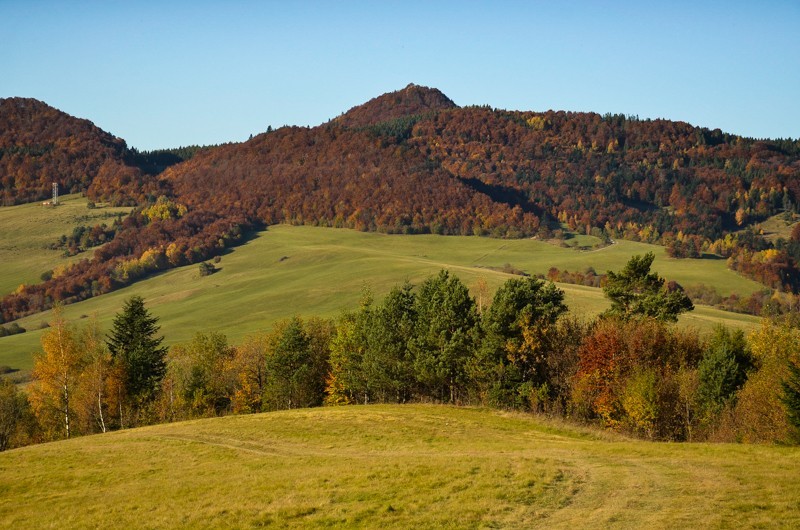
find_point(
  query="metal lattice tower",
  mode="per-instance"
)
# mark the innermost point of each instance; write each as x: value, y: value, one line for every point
x: 55, y: 193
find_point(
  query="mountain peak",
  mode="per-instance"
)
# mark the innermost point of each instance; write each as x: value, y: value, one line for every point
x: 413, y: 99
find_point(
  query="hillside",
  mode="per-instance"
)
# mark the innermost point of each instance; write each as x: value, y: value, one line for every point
x: 40, y: 145
x: 28, y: 230
x: 297, y: 270
x: 410, y: 101
x: 413, y: 162
x: 409, y: 466
x: 379, y: 166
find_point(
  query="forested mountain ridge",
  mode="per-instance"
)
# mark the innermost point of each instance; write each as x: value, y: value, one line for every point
x: 40, y: 145
x: 410, y: 101
x: 412, y: 161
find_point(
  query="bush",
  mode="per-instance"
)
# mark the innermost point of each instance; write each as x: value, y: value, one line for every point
x: 12, y: 329
x: 207, y: 269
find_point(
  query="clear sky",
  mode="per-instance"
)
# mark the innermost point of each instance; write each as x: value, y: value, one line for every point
x: 164, y: 74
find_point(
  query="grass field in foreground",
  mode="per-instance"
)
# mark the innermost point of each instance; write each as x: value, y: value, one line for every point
x: 27, y: 229
x: 406, y: 466
x: 300, y: 270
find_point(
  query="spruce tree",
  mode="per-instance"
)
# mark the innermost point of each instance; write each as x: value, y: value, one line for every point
x: 443, y: 337
x: 136, y: 349
x: 636, y: 292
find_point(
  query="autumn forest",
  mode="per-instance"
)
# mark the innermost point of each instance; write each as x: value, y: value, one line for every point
x: 413, y: 162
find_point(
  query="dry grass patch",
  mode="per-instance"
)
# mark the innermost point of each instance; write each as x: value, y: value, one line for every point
x: 414, y: 466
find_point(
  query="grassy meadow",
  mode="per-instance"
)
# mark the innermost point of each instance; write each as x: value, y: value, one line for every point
x: 401, y: 466
x: 26, y: 230
x: 302, y: 270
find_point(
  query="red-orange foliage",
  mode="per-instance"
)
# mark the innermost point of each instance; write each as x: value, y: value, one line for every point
x: 40, y: 145
x: 616, y: 349
x: 413, y: 99
x: 405, y: 162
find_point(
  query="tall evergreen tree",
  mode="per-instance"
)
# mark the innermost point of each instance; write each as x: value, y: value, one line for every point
x: 516, y: 328
x: 636, y: 292
x: 137, y: 350
x: 443, y: 339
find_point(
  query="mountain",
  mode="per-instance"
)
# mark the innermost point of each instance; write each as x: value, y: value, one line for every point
x: 412, y: 161
x: 412, y: 100
x: 338, y: 176
x: 40, y: 145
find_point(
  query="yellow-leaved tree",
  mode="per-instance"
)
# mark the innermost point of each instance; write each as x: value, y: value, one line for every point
x: 249, y: 364
x: 97, y: 393
x: 56, y: 375
x: 761, y: 413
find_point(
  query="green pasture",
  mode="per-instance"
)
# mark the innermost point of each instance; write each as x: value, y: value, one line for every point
x: 307, y: 271
x: 400, y: 466
x: 27, y: 229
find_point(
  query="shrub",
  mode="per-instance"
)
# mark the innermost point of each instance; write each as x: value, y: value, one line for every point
x: 207, y: 269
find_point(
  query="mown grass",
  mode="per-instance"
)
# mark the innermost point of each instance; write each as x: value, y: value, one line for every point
x: 300, y: 270
x: 27, y: 229
x: 408, y: 466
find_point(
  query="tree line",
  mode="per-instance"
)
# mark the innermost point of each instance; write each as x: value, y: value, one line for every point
x: 630, y: 370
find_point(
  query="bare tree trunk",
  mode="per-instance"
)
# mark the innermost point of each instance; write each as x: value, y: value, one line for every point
x: 688, y: 423
x: 119, y: 400
x: 100, y: 410
x: 66, y: 408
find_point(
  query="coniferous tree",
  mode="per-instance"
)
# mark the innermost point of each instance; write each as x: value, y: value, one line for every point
x: 516, y: 329
x: 137, y: 350
x: 443, y: 338
x: 637, y: 292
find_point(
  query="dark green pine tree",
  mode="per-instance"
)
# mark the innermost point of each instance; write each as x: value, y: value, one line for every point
x: 134, y: 345
x: 636, y: 292
x: 443, y: 339
x: 791, y: 398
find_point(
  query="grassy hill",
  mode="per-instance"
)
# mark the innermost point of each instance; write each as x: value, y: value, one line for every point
x: 26, y: 230
x: 301, y: 270
x: 408, y: 466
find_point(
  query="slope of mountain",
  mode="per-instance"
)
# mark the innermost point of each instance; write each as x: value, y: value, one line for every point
x: 411, y: 100
x: 336, y: 176
x: 413, y: 162
x: 40, y: 145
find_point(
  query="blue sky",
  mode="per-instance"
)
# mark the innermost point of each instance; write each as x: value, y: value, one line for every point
x: 164, y: 74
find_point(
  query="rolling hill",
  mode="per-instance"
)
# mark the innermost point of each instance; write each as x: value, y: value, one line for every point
x: 40, y: 145
x: 413, y: 162
x: 406, y: 466
x: 299, y: 270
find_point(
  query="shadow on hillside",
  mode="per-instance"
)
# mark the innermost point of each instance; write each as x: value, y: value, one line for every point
x: 247, y: 238
x: 503, y: 194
